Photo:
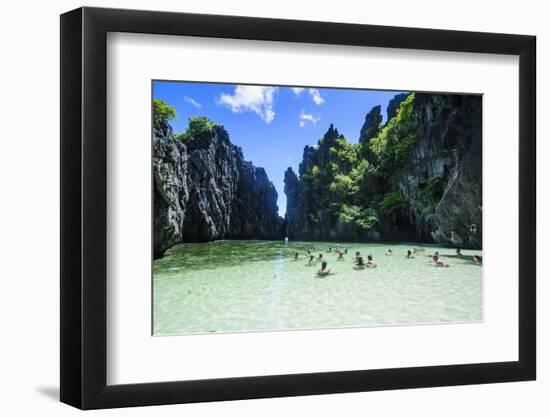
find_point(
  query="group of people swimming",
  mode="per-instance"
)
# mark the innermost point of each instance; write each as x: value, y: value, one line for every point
x: 435, y: 258
x: 360, y: 263
x: 359, y: 260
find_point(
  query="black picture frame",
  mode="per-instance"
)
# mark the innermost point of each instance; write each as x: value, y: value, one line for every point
x: 84, y: 207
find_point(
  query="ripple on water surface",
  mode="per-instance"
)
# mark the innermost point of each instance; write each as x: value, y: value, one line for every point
x: 234, y: 286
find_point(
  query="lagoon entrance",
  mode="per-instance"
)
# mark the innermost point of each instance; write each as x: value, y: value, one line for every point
x: 247, y: 286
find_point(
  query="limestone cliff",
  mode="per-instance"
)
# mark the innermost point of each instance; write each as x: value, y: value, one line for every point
x: 204, y: 190
x: 447, y: 157
x: 416, y: 178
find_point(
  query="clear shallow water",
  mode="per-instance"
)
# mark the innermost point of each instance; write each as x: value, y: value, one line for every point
x: 233, y: 286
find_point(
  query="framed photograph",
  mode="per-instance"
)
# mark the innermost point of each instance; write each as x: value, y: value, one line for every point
x: 256, y: 208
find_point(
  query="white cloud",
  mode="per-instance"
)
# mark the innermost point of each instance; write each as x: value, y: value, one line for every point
x: 297, y: 90
x: 316, y: 96
x: 307, y: 117
x: 193, y: 102
x: 259, y: 100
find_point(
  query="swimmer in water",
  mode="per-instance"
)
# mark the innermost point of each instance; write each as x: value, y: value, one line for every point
x: 437, y: 261
x: 370, y: 262
x: 340, y: 257
x: 321, y: 257
x: 360, y: 264
x: 311, y: 261
x: 477, y: 259
x: 324, y: 270
x: 410, y: 255
x: 389, y: 252
x: 357, y: 256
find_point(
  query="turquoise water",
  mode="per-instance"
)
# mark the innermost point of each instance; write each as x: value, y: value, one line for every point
x: 235, y: 286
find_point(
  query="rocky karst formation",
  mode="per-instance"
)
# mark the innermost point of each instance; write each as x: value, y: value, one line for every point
x: 371, y: 127
x: 448, y: 151
x: 416, y: 178
x: 394, y: 104
x: 204, y: 190
x: 309, y: 214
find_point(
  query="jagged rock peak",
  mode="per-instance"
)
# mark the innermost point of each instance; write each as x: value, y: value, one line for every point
x: 370, y: 128
x: 394, y: 104
x: 291, y: 180
x: 308, y: 158
x: 218, y: 135
x: 331, y: 134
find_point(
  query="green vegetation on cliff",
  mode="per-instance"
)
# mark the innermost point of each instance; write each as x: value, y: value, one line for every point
x: 197, y: 127
x: 162, y: 112
x: 392, y: 145
x: 348, y: 184
x: 415, y: 177
x: 391, y: 202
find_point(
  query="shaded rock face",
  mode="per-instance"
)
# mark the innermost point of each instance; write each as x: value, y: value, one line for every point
x: 170, y: 190
x: 448, y: 150
x: 204, y: 190
x: 295, y: 202
x: 257, y: 211
x: 447, y: 153
x: 371, y: 127
x: 309, y: 220
x: 297, y: 207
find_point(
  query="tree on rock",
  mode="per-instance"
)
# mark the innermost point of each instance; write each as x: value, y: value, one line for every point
x: 162, y: 112
x: 197, y: 127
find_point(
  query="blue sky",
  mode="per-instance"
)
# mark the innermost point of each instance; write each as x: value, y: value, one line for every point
x: 272, y: 124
